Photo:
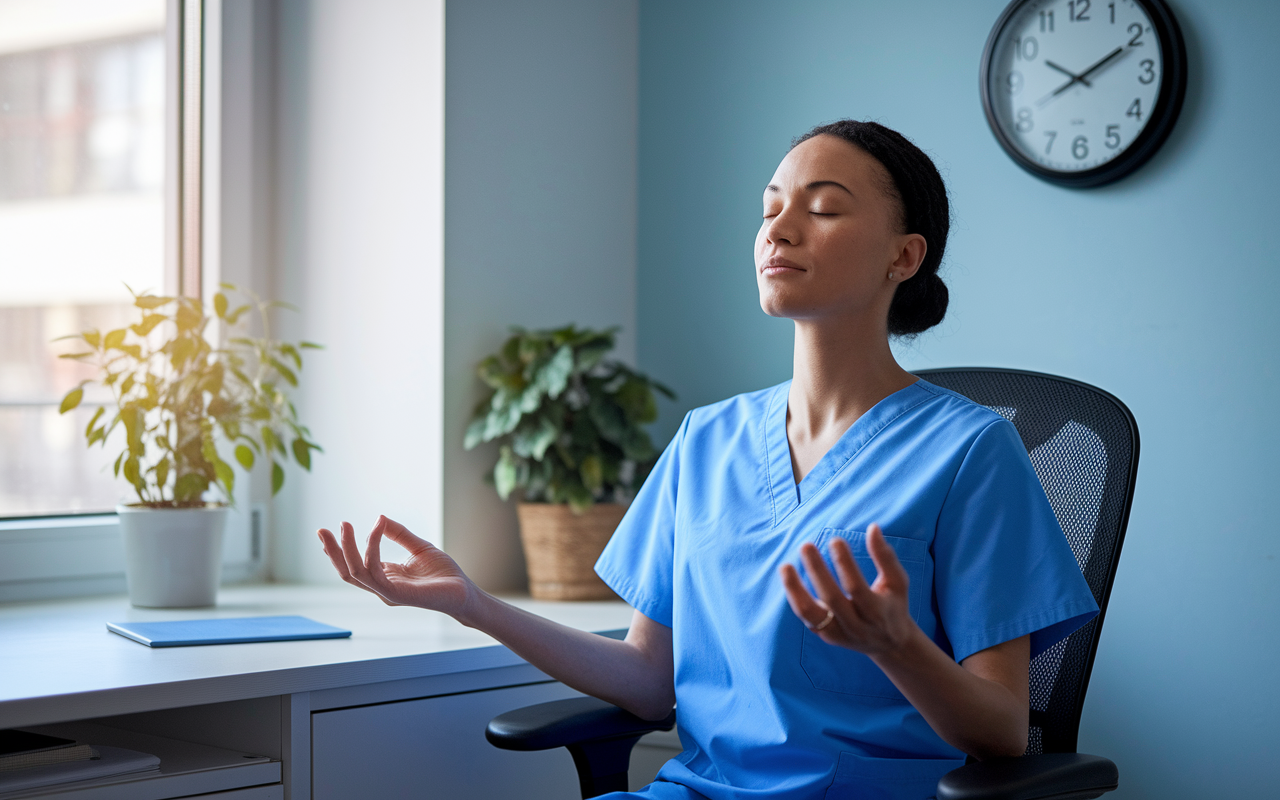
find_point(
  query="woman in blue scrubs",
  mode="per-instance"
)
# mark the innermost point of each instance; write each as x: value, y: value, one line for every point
x: 841, y: 579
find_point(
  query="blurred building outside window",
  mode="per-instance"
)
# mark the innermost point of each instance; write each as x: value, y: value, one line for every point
x: 82, y: 214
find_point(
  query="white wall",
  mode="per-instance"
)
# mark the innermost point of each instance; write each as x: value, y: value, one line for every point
x: 539, y: 221
x: 360, y: 155
x: 540, y: 225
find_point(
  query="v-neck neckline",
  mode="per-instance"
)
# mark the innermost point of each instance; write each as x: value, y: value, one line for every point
x: 785, y: 494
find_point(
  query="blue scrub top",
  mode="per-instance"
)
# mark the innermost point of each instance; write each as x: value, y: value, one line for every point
x: 767, y: 709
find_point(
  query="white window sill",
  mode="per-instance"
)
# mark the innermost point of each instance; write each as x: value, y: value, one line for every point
x: 42, y: 559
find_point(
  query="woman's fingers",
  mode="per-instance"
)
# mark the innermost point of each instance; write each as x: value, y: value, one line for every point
x: 803, y: 604
x: 891, y: 574
x: 373, y: 552
x: 334, y: 551
x: 401, y: 535
x: 337, y: 556
x: 855, y: 586
x: 824, y: 583
x: 351, y: 552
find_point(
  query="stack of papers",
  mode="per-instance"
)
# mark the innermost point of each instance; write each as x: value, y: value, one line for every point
x: 29, y: 760
x: 22, y: 749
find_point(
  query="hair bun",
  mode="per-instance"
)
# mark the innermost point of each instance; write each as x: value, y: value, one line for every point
x: 920, y: 302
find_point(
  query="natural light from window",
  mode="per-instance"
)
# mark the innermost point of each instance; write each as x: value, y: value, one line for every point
x: 82, y: 167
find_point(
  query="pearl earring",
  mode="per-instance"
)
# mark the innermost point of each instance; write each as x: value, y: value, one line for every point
x: 890, y: 276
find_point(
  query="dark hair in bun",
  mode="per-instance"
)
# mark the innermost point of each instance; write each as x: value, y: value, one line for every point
x: 920, y: 302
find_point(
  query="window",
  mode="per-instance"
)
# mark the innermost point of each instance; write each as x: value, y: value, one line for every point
x: 102, y: 121
x: 83, y: 127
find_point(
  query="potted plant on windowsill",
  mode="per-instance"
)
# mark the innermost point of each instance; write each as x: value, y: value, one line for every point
x: 181, y: 402
x: 569, y: 424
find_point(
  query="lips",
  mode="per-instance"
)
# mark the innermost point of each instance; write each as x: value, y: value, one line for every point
x: 780, y: 266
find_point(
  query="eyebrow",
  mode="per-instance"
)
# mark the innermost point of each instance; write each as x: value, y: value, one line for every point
x: 815, y: 185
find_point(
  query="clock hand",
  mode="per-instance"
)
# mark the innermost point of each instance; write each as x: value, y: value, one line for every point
x: 1058, y: 91
x: 1099, y: 64
x: 1074, y: 77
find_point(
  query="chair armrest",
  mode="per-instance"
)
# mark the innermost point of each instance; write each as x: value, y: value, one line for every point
x: 1050, y: 776
x: 562, y: 723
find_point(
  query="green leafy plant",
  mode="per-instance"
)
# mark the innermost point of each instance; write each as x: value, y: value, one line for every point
x: 569, y: 422
x: 178, y: 398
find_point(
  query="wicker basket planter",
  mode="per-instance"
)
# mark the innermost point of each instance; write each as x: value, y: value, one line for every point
x: 561, y: 548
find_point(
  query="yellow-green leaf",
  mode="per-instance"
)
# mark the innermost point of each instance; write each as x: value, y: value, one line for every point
x: 220, y: 305
x: 131, y: 472
x: 148, y: 323
x: 88, y: 429
x: 292, y: 352
x: 245, y: 456
x: 148, y: 301
x: 270, y: 442
x: 188, y: 318
x: 162, y: 472
x: 72, y: 400
x: 303, y: 453
x: 114, y: 338
x: 277, y: 478
x: 284, y: 371
x: 226, y: 475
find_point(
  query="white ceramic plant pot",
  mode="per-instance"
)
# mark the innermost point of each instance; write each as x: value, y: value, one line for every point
x: 173, y: 556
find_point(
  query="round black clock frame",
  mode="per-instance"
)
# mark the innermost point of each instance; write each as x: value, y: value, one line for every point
x: 1173, y: 88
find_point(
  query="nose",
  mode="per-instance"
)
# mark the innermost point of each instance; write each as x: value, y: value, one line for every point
x: 782, y: 228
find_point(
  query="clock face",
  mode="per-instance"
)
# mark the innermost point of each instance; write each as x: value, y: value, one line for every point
x: 1072, y: 85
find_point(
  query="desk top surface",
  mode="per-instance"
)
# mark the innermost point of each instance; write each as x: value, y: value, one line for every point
x: 58, y: 660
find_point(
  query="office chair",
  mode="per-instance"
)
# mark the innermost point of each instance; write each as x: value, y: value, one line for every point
x: 1083, y: 443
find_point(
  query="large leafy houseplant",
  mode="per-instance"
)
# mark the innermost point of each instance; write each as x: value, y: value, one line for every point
x: 182, y: 400
x: 569, y: 422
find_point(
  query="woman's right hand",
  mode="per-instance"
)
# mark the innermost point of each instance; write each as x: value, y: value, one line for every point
x: 428, y: 579
x: 636, y: 673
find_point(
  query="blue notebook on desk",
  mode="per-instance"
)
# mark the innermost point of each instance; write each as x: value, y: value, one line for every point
x: 238, y: 630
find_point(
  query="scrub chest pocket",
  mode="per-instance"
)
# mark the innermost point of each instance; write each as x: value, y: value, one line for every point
x: 838, y: 669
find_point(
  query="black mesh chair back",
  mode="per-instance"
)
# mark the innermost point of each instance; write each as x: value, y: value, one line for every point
x: 1083, y: 443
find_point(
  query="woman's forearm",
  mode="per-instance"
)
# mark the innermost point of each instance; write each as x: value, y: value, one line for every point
x: 979, y: 715
x: 636, y: 674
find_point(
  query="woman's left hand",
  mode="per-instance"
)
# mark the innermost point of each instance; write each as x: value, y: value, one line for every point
x: 872, y: 619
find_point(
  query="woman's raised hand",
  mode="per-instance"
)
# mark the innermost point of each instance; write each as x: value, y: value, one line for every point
x: 428, y: 579
x: 872, y: 619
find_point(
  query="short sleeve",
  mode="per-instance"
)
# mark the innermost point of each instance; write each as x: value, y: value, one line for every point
x: 1003, y: 567
x: 638, y: 563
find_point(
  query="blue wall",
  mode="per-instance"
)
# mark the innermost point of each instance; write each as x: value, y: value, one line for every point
x: 1159, y: 289
x: 540, y: 216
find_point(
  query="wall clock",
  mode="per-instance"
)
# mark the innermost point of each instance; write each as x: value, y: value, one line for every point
x: 1083, y: 92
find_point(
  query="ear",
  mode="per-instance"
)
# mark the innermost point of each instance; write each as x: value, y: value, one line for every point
x: 911, y: 250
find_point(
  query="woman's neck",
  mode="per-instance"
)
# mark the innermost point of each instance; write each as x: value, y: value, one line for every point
x: 841, y: 370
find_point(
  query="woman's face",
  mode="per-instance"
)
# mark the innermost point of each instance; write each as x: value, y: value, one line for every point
x: 831, y: 235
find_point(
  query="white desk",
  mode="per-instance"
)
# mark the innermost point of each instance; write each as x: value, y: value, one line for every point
x: 397, y: 709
